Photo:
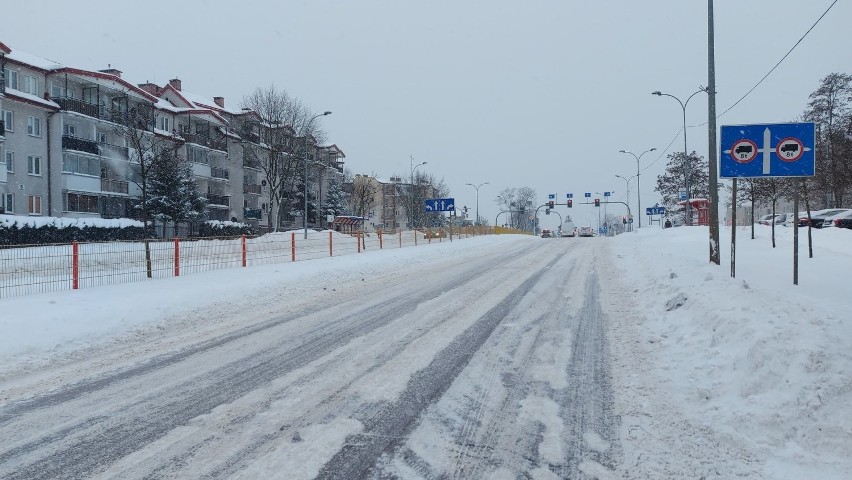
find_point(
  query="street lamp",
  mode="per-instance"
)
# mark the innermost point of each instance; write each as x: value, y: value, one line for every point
x: 477, y: 198
x: 305, y: 136
x: 687, y: 167
x: 413, y: 168
x: 638, y: 195
x: 627, y: 188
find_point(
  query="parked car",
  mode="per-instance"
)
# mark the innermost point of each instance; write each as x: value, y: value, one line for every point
x: 767, y: 219
x: 783, y: 218
x: 841, y: 220
x: 545, y: 233
x: 586, y: 232
x: 818, y: 217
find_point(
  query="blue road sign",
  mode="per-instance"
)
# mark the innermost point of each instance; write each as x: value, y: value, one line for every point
x: 588, y: 195
x: 655, y: 210
x: 681, y: 195
x: 767, y: 150
x: 569, y: 195
x: 606, y: 194
x: 439, y: 204
x: 551, y: 196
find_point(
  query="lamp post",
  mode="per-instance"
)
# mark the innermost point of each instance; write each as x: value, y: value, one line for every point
x: 627, y: 188
x: 638, y: 193
x: 687, y: 168
x: 477, y: 198
x: 305, y: 136
x: 412, y: 169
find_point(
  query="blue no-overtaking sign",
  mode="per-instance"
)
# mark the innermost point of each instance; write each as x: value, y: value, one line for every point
x: 767, y: 150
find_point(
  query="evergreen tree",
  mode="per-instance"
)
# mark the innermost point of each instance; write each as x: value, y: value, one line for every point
x: 336, y: 201
x: 673, y: 179
x: 173, y: 194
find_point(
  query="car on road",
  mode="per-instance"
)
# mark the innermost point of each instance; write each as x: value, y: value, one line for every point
x: 545, y: 233
x: 586, y: 232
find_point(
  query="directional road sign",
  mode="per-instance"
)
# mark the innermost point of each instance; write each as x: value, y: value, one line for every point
x: 767, y: 150
x: 551, y: 196
x: 606, y: 194
x: 439, y: 204
x: 655, y: 210
x: 588, y: 194
x: 569, y: 195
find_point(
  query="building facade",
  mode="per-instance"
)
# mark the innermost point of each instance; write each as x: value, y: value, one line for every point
x: 72, y: 142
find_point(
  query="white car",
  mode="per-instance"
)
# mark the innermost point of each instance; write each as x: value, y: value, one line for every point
x: 586, y: 232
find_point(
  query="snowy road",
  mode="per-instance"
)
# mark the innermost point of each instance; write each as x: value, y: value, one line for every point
x: 491, y: 365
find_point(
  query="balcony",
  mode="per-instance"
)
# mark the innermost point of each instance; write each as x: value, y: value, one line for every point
x: 79, y: 106
x: 250, y: 188
x: 80, y: 144
x: 205, y: 140
x: 218, y: 200
x: 2, y: 128
x: 220, y: 173
x: 113, y: 151
x: 251, y: 163
x: 115, y: 186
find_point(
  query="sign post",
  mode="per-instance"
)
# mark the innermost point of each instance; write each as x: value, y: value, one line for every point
x: 768, y: 151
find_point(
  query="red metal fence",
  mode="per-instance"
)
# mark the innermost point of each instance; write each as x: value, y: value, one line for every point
x: 27, y: 269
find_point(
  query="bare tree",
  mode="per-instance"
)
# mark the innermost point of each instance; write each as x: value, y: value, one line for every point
x: 830, y: 108
x: 136, y: 125
x: 285, y: 132
x: 518, y: 202
x: 365, y: 195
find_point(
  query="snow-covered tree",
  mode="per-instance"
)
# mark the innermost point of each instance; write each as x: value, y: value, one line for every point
x: 336, y: 200
x: 173, y: 194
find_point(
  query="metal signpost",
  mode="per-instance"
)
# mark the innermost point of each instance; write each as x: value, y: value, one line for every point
x: 767, y: 151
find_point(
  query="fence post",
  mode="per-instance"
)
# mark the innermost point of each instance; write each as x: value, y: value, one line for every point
x: 330, y: 248
x: 292, y: 246
x: 415, y: 237
x: 177, y: 257
x: 75, y: 265
x: 399, y: 231
x: 243, y: 241
x: 379, y: 233
x: 358, y: 241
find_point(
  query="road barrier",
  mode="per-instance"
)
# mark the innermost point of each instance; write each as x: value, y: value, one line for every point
x: 28, y: 269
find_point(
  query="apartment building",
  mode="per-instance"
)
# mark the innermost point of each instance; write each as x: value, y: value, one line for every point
x: 68, y: 149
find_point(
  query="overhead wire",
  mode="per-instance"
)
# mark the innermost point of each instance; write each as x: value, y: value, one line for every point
x: 665, y: 150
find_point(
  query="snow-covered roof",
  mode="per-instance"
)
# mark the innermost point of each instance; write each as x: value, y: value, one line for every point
x: 33, y: 60
x: 30, y: 98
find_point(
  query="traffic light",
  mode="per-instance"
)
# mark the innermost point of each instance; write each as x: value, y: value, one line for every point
x: 570, y: 203
x: 597, y: 202
x: 550, y: 204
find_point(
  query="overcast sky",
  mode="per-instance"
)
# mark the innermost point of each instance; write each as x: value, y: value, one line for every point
x: 542, y: 93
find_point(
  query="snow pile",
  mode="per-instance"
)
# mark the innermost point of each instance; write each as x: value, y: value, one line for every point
x: 9, y: 221
x: 755, y: 358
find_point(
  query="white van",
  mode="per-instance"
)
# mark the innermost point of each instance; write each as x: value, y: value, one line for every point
x: 568, y: 230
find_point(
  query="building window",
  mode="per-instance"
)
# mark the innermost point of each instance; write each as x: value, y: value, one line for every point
x: 163, y: 123
x: 30, y: 84
x: 11, y: 77
x: 33, y: 165
x: 198, y: 155
x: 10, y: 162
x: 8, y: 120
x: 34, y: 126
x: 9, y: 202
x: 34, y: 204
x: 76, y: 202
x: 69, y: 130
x: 101, y: 136
x: 73, y: 163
